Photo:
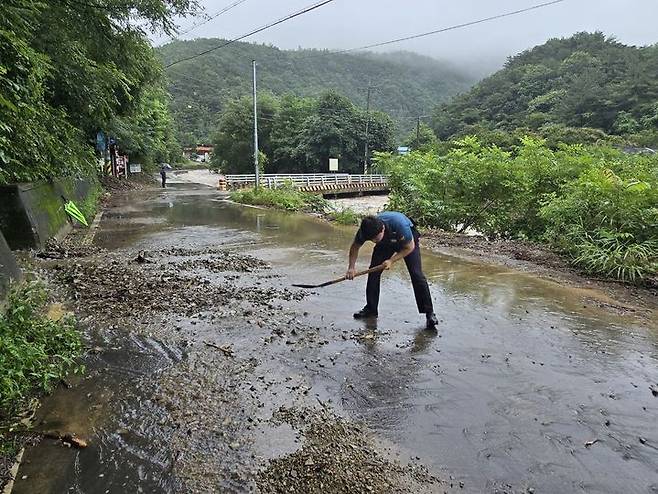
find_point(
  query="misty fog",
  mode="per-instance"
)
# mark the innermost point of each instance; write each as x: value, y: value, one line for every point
x: 478, y: 49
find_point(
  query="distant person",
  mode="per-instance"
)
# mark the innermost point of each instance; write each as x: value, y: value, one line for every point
x: 395, y: 237
x: 163, y: 174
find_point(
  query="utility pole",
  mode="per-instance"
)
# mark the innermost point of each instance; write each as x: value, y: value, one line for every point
x: 418, y: 130
x: 365, y: 153
x: 253, y: 64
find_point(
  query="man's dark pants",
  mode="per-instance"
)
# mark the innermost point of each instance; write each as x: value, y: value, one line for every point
x: 384, y: 250
x: 163, y: 176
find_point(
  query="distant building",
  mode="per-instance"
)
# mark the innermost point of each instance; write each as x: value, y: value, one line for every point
x: 200, y: 152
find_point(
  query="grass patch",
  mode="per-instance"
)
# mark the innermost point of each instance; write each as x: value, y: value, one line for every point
x: 89, y: 207
x: 36, y: 350
x: 345, y: 216
x: 284, y: 197
x: 38, y: 347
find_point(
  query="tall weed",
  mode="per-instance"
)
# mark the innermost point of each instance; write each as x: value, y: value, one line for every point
x: 35, y: 350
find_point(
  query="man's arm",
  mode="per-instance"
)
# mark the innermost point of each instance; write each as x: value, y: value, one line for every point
x: 351, y: 264
x: 407, y: 249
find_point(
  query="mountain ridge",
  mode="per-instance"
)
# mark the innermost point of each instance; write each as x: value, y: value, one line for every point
x: 404, y: 84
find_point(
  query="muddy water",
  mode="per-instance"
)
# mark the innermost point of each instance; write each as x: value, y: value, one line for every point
x: 521, y: 377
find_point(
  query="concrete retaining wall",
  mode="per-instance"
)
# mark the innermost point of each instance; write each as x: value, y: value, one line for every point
x: 9, y: 270
x: 31, y: 214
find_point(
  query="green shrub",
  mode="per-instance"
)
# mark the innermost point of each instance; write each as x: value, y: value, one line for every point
x: 345, y: 216
x: 606, y: 223
x: 284, y: 197
x: 573, y: 197
x: 35, y: 350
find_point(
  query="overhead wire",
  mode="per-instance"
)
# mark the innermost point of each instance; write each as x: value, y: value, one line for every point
x: 437, y: 31
x: 383, y: 43
x: 374, y: 45
x: 255, y: 31
x: 205, y: 21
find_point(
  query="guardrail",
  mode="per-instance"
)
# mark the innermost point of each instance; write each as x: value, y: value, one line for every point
x: 307, y: 180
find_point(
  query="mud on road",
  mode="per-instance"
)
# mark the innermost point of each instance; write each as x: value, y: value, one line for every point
x: 179, y: 341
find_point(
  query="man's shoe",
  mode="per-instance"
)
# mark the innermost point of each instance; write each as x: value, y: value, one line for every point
x: 365, y: 313
x: 432, y: 321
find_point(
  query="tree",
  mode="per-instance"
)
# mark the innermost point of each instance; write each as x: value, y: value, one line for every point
x: 148, y: 135
x: 299, y: 135
x: 287, y: 153
x: 409, y: 83
x: 422, y: 140
x: 233, y: 141
x: 586, y: 80
x: 69, y: 69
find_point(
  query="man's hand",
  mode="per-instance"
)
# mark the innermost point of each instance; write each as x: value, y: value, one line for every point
x: 387, y: 264
x: 350, y: 273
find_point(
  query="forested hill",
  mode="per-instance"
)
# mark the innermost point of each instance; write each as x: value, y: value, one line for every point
x: 404, y: 84
x: 587, y: 80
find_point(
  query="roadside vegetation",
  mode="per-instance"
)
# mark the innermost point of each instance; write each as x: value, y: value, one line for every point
x: 285, y: 197
x: 288, y: 198
x: 596, y: 205
x: 38, y: 347
x: 344, y: 216
x: 60, y: 85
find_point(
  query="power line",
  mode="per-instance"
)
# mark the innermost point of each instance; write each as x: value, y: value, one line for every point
x: 442, y: 30
x: 329, y: 52
x: 263, y: 28
x: 206, y: 21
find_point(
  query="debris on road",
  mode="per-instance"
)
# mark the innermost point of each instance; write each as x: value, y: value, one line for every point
x: 68, y: 439
x: 338, y: 455
x: 228, y: 351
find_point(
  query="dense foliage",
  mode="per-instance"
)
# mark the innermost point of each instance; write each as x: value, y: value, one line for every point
x: 598, y: 205
x: 35, y: 350
x: 298, y: 135
x: 69, y: 69
x: 578, y: 89
x: 404, y: 84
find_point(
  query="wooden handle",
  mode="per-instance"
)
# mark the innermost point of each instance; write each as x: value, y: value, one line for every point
x: 371, y: 270
x: 359, y: 273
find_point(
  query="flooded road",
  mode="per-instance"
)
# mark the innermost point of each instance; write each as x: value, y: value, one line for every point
x: 526, y: 387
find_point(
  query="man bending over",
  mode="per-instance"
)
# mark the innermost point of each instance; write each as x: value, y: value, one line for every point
x: 395, y: 237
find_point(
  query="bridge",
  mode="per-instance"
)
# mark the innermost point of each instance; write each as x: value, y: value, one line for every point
x: 315, y: 183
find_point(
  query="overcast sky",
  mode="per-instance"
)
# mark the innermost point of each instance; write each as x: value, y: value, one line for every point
x: 345, y: 24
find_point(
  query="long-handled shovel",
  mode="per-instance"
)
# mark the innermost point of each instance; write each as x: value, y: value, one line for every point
x: 342, y: 278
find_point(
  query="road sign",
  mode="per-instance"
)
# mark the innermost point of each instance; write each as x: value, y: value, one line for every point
x: 333, y: 164
x: 403, y: 150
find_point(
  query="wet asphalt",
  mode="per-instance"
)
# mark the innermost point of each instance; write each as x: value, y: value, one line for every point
x: 525, y: 387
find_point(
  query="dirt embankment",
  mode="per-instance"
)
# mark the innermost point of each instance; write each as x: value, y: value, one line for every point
x: 537, y: 259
